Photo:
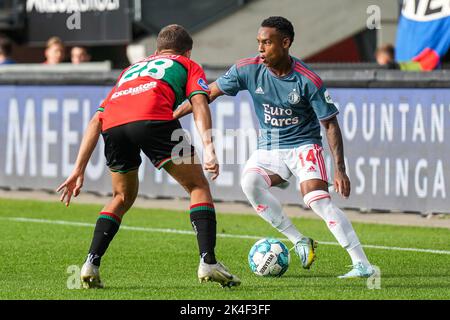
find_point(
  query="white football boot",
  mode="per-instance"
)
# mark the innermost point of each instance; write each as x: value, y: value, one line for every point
x: 305, y: 249
x: 217, y: 273
x: 359, y: 270
x: 90, y: 276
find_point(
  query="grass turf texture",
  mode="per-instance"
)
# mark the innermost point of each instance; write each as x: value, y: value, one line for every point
x: 34, y: 258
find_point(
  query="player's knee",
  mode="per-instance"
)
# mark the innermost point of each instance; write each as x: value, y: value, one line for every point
x: 253, y: 182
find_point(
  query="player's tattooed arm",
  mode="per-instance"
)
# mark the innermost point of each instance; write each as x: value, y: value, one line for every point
x: 334, y: 137
x: 73, y: 184
x: 186, y: 107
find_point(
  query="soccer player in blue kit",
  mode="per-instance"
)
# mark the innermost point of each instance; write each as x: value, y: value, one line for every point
x: 291, y: 102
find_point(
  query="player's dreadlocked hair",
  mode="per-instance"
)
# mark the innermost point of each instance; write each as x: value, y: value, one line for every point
x: 283, y: 26
x: 174, y: 37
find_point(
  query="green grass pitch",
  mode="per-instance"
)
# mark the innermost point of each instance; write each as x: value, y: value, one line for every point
x: 149, y: 262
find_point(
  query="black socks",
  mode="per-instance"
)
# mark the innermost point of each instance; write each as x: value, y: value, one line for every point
x: 106, y: 228
x: 203, y: 219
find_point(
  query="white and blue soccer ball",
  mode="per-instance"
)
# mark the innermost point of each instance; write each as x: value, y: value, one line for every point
x: 269, y: 258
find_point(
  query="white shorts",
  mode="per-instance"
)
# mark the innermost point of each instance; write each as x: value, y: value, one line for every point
x: 305, y: 162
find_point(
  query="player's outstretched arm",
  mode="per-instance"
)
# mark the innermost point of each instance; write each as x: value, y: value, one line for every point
x: 74, y: 183
x: 334, y: 137
x: 186, y: 108
x: 202, y: 118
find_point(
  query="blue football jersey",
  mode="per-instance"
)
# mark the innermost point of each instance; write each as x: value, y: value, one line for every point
x: 288, y: 108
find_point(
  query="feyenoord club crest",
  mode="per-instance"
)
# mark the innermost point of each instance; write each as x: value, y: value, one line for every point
x: 294, y: 97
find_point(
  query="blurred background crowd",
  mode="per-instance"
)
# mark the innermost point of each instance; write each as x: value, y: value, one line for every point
x: 395, y: 34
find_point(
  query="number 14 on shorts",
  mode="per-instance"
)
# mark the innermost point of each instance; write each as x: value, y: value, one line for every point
x: 312, y: 163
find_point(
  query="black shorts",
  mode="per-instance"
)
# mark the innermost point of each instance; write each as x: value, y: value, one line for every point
x: 161, y: 141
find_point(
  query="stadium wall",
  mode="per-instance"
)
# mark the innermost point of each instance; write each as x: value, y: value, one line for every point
x: 396, y: 130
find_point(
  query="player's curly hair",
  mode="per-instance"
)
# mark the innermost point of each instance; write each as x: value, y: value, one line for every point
x: 174, y: 37
x: 282, y: 25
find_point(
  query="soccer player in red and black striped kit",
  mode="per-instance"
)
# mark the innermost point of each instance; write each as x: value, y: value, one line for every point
x: 138, y: 115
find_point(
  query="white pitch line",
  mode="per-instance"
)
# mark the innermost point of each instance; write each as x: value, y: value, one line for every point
x: 221, y: 235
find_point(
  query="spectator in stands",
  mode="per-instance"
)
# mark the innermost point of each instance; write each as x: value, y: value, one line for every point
x: 5, y: 51
x: 79, y: 55
x: 55, y: 51
x: 384, y: 56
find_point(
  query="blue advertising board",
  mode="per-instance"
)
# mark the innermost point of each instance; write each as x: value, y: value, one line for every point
x: 397, y: 145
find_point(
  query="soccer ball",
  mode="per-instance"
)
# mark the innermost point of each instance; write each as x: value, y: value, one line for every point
x: 269, y: 258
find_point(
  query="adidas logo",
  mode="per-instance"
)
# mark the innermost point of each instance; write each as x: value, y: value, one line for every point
x: 332, y: 224
x: 259, y: 91
x: 312, y: 169
x: 261, y: 208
